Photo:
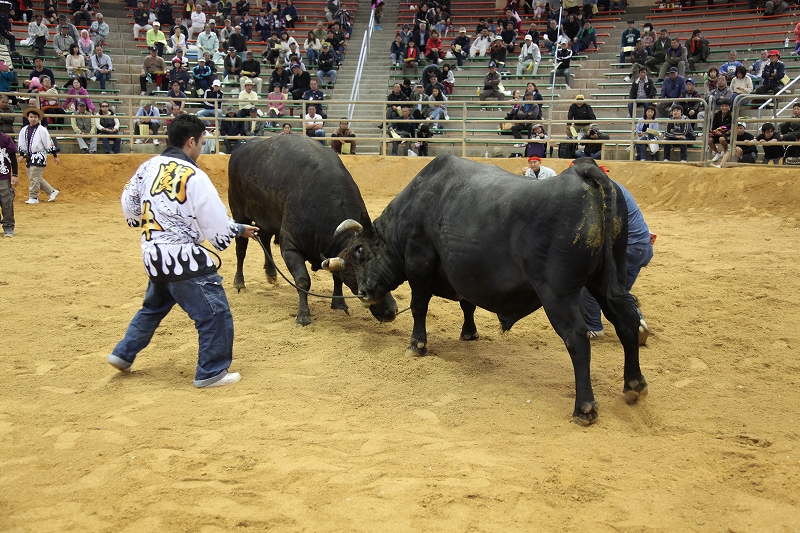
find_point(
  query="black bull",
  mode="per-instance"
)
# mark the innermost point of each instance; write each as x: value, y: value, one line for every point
x: 296, y: 189
x: 474, y: 233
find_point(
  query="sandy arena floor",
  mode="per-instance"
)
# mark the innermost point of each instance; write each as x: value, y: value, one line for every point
x: 333, y: 429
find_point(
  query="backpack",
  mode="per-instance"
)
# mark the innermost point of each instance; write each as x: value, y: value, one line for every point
x: 567, y: 150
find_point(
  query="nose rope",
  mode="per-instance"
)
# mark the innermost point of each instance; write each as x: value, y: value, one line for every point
x: 290, y: 282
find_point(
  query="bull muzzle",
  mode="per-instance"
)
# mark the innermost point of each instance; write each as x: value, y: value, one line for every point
x: 333, y: 264
x: 347, y: 226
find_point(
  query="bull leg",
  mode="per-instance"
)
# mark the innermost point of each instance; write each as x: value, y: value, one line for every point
x: 338, y: 304
x: 297, y: 268
x: 624, y: 316
x: 566, y: 318
x: 469, y: 332
x: 241, y: 252
x: 419, y: 310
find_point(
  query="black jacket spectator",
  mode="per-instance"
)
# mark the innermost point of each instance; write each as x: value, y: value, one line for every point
x: 164, y: 13
x: 326, y: 60
x: 238, y: 41
x: 650, y: 88
x: 300, y: 84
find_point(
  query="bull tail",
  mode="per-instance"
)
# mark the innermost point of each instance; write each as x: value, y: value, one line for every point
x: 620, y: 301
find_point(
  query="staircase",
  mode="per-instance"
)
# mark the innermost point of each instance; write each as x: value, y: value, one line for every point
x: 374, y: 76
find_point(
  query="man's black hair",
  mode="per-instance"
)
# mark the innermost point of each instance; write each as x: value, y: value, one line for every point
x: 184, y: 127
x: 767, y: 126
x: 642, y: 68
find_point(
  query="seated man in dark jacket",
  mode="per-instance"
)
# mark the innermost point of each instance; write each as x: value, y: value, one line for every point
x: 228, y: 126
x: 593, y: 143
x: 581, y: 113
x: 301, y: 82
x: 642, y: 88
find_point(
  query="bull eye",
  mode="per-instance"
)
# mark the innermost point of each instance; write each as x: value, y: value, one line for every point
x: 358, y: 252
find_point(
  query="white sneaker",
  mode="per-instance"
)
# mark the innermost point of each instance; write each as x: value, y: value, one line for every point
x: 715, y: 166
x: 142, y: 93
x: 518, y: 145
x: 447, y: 117
x: 568, y: 88
x: 137, y: 141
x: 93, y: 78
x: 717, y: 157
x: 230, y: 377
x: 156, y: 142
x: 666, y: 160
x: 627, y: 79
x: 53, y: 196
x: 595, y: 335
x: 684, y: 161
x: 32, y: 201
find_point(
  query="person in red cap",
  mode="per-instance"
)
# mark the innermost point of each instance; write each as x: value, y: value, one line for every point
x: 536, y: 171
x: 772, y: 74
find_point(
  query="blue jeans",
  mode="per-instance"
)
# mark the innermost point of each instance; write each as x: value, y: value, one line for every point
x: 102, y: 79
x: 107, y: 144
x: 204, y: 300
x: 330, y: 73
x: 639, y: 256
x: 312, y: 56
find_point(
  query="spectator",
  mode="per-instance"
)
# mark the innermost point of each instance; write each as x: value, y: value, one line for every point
x: 758, y: 65
x: 279, y: 76
x: 341, y: 146
x: 678, y: 131
x: 720, y: 130
x: 433, y: 48
x: 226, y: 31
x: 741, y: 83
x: 50, y: 11
x: 498, y: 53
x: 570, y: 27
x: 153, y: 71
x: 710, y: 82
x: 99, y: 30
x: 232, y: 65
x: 420, y: 108
x: 238, y: 41
x: 537, y: 141
x: 156, y: 38
x: 722, y: 92
x: 62, y: 42
x: 460, y: 47
x: 229, y: 127
x: 629, y: 37
x: 675, y: 57
x: 398, y: 50
x: 674, y: 87
x: 775, y: 7
x: 767, y: 138
x: 796, y: 41
x: 301, y: 82
x: 481, y: 44
x: 83, y: 123
x: 639, y: 57
x: 586, y: 37
x: 289, y: 14
x: 312, y: 123
x: 313, y: 48
x: 326, y: 60
x: 402, y: 130
x: 101, y: 67
x: 562, y: 64
x: 148, y: 124
x: 77, y: 95
x: 255, y: 126
x: 207, y: 41
x: 551, y: 36
x: 593, y: 143
x: 177, y: 42
x: 528, y: 110
x: 251, y: 69
x: 180, y: 74
x: 432, y: 81
x: 529, y: 57
x: 648, y: 37
x: 697, y: 49
x: 448, y: 79
x: 37, y: 35
x: 728, y: 69
x: 394, y: 110
x: 212, y: 101
x: 246, y: 23
x: 164, y: 13
x: 773, y: 75
x: 535, y: 169
x: 141, y: 20
x: 38, y: 71
x: 313, y: 93
x: 201, y: 76
x: 509, y: 37
x: 198, y: 21
x: 791, y: 130
x: 342, y: 18
x: 35, y: 144
x: 691, y: 108
x: 243, y: 7
x: 247, y: 97
x: 582, y: 114
x: 378, y: 10
x: 745, y: 151
x: 48, y: 100
x: 659, y: 52
x: 276, y: 103
x: 644, y: 128
x: 176, y: 96
x: 437, y: 108
x: 6, y: 122
x: 411, y: 60
x: 7, y: 33
x: 108, y: 124
x: 491, y: 84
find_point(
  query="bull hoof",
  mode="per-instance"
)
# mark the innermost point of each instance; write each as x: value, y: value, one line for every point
x: 469, y: 336
x: 635, y: 390
x: 341, y: 312
x: 587, y: 414
x: 302, y: 320
x: 272, y: 279
x: 238, y: 284
x: 416, y: 349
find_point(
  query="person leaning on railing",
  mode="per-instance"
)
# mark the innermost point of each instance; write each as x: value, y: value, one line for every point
x: 773, y: 75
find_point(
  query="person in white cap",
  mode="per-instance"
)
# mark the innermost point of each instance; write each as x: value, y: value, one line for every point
x: 460, y: 47
x: 529, y: 57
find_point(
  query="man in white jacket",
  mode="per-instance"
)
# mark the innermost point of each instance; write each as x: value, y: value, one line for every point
x: 177, y: 208
x: 529, y: 54
x: 34, y: 144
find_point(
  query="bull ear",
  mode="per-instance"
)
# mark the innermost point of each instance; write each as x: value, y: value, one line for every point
x: 348, y: 226
x: 333, y: 264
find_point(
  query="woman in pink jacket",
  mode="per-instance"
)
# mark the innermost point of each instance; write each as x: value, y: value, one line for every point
x: 78, y: 94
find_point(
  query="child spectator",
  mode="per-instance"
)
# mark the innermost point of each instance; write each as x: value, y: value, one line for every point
x: 341, y: 146
x: 644, y: 127
x: 745, y: 151
x: 629, y: 37
x: 448, y: 79
x: 678, y: 131
x: 772, y: 152
x: 720, y: 130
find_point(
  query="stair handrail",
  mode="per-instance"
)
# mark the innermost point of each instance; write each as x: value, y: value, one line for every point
x: 783, y: 89
x: 355, y: 91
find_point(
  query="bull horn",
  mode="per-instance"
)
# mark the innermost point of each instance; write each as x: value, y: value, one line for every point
x: 348, y: 226
x: 333, y: 264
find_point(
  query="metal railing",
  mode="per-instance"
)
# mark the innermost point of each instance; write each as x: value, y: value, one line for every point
x: 472, y: 132
x: 355, y: 92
